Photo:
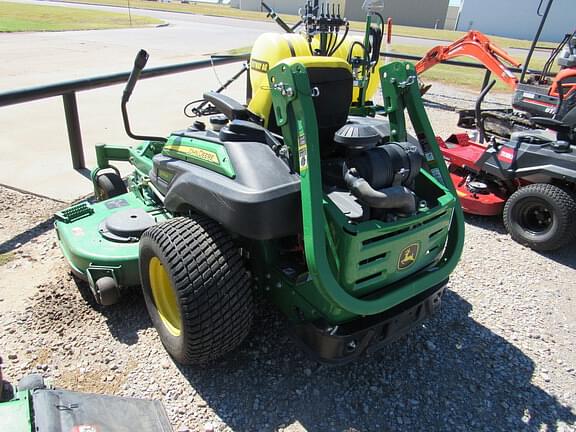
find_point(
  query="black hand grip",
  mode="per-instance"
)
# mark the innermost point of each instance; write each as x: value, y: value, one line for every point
x: 139, y: 63
x: 265, y: 6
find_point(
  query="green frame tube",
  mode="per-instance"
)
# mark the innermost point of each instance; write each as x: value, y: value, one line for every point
x: 295, y: 113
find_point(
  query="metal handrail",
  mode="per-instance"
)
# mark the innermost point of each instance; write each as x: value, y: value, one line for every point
x: 13, y: 97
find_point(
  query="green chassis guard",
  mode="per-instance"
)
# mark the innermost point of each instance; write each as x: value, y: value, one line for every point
x: 347, y: 285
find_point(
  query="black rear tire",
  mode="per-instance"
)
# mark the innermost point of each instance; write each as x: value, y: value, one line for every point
x: 109, y: 185
x: 541, y: 216
x: 212, y: 289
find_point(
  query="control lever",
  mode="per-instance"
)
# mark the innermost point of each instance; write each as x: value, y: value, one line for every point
x: 139, y: 63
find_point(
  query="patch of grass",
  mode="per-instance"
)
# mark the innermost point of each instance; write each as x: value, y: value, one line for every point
x: 176, y: 6
x: 237, y: 51
x: 18, y: 17
x: 227, y: 11
x: 5, y: 258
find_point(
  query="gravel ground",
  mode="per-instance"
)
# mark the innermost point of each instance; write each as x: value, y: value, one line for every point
x: 498, y: 356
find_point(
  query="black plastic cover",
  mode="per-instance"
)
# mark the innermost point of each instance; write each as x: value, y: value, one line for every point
x: 355, y: 136
x: 261, y: 202
x: 231, y: 108
x: 65, y: 411
x: 531, y: 158
x: 346, y: 342
x: 126, y: 225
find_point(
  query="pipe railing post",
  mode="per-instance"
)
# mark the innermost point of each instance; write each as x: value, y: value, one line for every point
x: 536, y: 38
x: 486, y: 81
x: 74, y: 133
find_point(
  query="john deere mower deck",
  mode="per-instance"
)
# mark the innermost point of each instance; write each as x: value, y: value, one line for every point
x: 349, y: 228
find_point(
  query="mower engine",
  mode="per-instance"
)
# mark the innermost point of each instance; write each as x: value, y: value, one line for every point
x: 373, y: 178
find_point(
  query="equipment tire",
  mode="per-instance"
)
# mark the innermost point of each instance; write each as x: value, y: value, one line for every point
x: 109, y: 185
x: 541, y: 216
x: 197, y: 291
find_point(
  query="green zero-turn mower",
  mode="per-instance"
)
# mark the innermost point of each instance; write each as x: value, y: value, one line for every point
x: 326, y: 206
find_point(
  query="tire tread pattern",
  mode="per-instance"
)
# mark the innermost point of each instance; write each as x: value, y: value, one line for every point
x: 213, y: 287
x: 564, y: 202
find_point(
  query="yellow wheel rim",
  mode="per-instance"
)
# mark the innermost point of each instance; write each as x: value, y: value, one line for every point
x: 164, y: 297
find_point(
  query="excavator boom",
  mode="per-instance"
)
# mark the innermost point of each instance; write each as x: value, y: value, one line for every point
x: 476, y: 45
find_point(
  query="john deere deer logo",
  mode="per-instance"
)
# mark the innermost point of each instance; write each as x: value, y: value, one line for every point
x: 408, y: 256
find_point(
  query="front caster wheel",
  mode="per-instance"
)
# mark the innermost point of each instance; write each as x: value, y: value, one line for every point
x: 197, y: 291
x: 109, y: 185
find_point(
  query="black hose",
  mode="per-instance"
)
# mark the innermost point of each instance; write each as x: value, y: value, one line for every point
x: 333, y: 42
x: 478, y: 111
x: 351, y: 50
x: 398, y: 198
x: 342, y: 40
x: 329, y: 40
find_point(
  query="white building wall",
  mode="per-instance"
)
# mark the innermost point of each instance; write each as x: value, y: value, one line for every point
x: 418, y: 13
x: 517, y: 18
x: 451, y: 17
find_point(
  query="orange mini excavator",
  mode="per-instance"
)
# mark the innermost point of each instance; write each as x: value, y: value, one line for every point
x: 538, y: 96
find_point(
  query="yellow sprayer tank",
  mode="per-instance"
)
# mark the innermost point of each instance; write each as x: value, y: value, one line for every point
x: 270, y: 48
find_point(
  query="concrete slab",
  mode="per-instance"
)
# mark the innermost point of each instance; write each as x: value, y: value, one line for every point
x: 33, y: 138
x: 34, y: 142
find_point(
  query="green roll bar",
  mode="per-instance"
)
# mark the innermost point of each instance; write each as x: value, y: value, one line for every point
x: 295, y: 113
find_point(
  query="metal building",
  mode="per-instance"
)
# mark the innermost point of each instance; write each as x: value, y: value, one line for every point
x: 452, y: 17
x: 517, y: 18
x: 418, y: 13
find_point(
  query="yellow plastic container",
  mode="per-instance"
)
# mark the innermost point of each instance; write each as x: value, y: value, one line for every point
x: 270, y: 48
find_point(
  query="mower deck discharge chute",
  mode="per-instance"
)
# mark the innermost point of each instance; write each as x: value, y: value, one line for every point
x: 346, y: 224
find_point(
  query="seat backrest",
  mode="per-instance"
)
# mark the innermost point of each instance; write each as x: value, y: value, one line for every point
x: 272, y: 48
x: 331, y: 81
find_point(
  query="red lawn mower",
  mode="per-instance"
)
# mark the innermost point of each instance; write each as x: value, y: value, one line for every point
x: 527, y: 170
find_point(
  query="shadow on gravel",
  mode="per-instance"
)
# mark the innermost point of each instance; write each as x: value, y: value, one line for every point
x: 123, y: 319
x: 489, y: 223
x: 439, y: 105
x: 26, y: 236
x: 451, y: 374
x: 565, y: 256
